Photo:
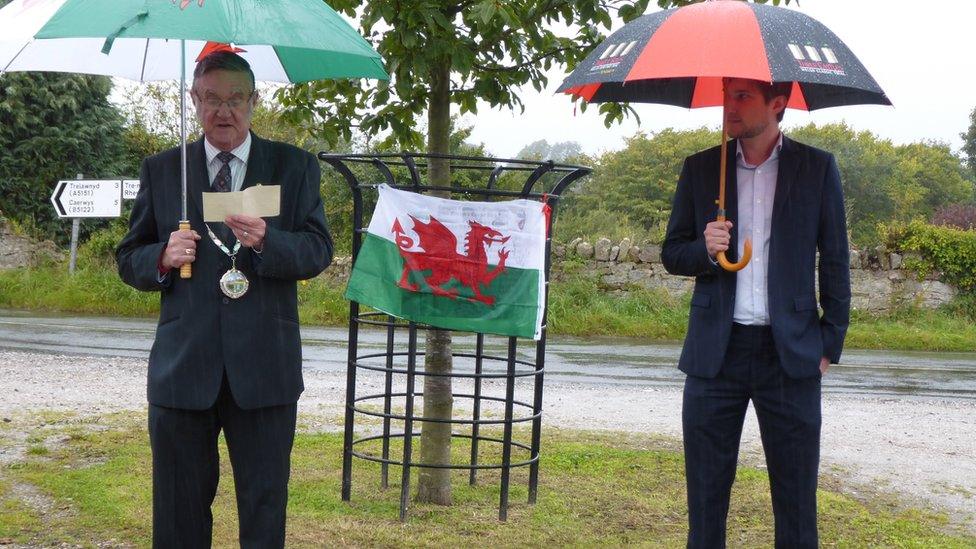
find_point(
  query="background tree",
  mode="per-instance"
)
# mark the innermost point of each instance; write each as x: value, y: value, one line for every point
x: 562, y: 151
x: 54, y: 126
x: 969, y: 144
x: 635, y: 183
x: 884, y: 182
x: 630, y: 191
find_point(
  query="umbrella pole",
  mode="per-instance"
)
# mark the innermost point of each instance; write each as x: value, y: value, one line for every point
x: 186, y: 270
x: 747, y: 246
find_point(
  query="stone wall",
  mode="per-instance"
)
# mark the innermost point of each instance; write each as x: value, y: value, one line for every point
x: 878, y: 280
x: 21, y: 251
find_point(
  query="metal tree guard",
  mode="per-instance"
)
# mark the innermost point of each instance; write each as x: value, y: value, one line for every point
x: 538, y: 175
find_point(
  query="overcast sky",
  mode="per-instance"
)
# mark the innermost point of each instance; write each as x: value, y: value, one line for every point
x: 921, y: 53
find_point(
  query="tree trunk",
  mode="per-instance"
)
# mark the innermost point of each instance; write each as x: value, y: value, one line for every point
x: 434, y: 485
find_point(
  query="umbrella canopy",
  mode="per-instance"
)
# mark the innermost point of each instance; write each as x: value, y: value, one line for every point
x: 285, y: 40
x: 679, y: 57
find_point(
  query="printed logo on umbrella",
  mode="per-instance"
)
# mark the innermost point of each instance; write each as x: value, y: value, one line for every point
x: 820, y: 60
x: 612, y: 56
x: 185, y: 3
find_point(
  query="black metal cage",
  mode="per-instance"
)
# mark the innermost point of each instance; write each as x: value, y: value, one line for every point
x: 484, y: 179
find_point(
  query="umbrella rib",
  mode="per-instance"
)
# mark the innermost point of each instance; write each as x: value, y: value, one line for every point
x: 145, y: 55
x: 14, y: 58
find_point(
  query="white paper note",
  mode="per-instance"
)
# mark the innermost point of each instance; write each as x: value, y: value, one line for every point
x: 256, y: 201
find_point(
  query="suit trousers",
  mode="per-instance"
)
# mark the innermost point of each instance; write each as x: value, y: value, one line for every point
x: 789, y: 415
x: 186, y: 468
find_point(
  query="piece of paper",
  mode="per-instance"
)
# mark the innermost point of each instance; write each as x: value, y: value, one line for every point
x: 256, y: 201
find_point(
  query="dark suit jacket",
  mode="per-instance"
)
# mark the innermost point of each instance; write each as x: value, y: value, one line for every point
x: 201, y: 332
x: 808, y: 215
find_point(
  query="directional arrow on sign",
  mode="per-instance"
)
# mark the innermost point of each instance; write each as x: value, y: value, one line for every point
x: 56, y: 198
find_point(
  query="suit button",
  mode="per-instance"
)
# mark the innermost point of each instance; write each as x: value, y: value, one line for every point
x: 226, y: 301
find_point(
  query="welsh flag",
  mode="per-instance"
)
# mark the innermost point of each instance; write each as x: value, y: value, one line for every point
x: 456, y: 265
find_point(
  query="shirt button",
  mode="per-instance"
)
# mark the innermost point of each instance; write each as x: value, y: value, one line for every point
x: 226, y: 301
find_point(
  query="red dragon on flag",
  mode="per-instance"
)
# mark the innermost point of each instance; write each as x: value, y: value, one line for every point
x: 440, y: 257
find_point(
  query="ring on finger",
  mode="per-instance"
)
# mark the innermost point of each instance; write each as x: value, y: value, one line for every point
x: 188, y: 251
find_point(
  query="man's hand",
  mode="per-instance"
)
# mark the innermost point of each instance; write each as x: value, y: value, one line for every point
x: 717, y: 237
x: 181, y: 249
x: 824, y: 365
x: 248, y: 230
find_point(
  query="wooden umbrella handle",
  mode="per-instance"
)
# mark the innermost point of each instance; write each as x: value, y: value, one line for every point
x: 743, y: 261
x: 747, y: 246
x: 186, y: 270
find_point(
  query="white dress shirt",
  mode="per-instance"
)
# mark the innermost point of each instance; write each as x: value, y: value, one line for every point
x: 756, y: 186
x: 238, y: 164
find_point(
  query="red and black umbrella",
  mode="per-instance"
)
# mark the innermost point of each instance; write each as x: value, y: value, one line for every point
x: 680, y: 57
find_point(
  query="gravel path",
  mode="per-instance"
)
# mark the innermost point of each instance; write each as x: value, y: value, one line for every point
x: 922, y: 449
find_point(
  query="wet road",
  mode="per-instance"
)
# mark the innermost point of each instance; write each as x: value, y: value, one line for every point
x: 619, y: 361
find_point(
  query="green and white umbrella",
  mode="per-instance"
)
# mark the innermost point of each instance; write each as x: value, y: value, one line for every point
x: 285, y: 40
x: 145, y: 40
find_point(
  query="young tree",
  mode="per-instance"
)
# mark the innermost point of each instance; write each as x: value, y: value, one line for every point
x: 440, y: 54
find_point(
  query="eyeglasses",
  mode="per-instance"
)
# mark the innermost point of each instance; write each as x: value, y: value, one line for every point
x: 213, y: 102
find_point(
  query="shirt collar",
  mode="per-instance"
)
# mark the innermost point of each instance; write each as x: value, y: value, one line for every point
x: 740, y: 158
x: 241, y: 152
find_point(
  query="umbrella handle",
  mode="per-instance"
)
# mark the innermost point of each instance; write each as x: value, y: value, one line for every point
x: 186, y: 270
x: 743, y: 261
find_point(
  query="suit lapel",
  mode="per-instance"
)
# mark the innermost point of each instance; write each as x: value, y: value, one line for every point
x: 789, y: 165
x: 258, y: 169
x: 197, y: 181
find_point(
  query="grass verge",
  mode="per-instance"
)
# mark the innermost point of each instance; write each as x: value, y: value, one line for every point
x: 577, y: 307
x: 595, y: 490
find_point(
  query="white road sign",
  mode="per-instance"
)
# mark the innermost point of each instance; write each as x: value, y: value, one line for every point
x: 88, y: 198
x: 130, y: 187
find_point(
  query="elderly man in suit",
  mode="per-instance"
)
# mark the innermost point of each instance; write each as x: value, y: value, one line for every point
x: 757, y: 334
x: 222, y: 361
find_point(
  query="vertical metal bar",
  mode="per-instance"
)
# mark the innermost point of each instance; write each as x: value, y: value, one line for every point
x: 186, y: 270
x: 347, y: 439
x: 183, y: 211
x: 476, y: 415
x: 540, y: 359
x: 357, y: 220
x: 540, y: 364
x: 408, y: 422
x: 385, y: 467
x: 507, y: 438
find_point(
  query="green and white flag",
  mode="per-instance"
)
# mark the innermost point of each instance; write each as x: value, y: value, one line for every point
x: 456, y: 265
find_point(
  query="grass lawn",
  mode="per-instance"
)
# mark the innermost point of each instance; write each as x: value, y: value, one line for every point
x: 93, y: 486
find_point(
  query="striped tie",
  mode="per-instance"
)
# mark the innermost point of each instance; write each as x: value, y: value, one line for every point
x: 221, y: 182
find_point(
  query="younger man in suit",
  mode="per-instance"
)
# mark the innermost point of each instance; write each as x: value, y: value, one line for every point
x: 757, y: 334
